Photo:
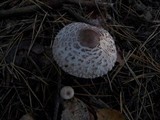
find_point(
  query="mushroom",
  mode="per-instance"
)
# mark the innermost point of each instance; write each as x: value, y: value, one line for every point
x: 75, y: 109
x: 67, y: 92
x: 85, y: 51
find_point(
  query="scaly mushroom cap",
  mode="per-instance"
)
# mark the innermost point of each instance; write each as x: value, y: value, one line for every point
x: 75, y: 109
x: 85, y: 51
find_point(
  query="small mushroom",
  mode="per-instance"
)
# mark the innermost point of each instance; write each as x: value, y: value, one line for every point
x: 85, y: 51
x: 67, y: 92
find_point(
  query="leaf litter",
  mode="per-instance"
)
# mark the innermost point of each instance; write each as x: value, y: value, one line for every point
x: 29, y: 76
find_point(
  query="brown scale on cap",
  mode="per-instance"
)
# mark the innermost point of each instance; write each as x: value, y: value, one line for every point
x: 89, y: 38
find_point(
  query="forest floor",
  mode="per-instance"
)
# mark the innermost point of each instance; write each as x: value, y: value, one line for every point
x: 30, y: 79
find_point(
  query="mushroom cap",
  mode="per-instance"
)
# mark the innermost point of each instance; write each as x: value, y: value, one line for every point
x: 85, y: 51
x: 67, y: 92
x: 75, y: 109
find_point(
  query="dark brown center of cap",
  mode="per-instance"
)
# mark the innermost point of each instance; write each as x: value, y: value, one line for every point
x: 89, y: 38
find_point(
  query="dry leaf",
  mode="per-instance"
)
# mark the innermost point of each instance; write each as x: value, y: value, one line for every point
x: 27, y: 117
x: 109, y: 114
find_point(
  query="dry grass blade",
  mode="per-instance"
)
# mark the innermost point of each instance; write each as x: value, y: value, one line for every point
x: 35, y: 37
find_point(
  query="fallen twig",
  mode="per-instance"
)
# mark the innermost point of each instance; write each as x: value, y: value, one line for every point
x: 89, y: 3
x: 18, y: 11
